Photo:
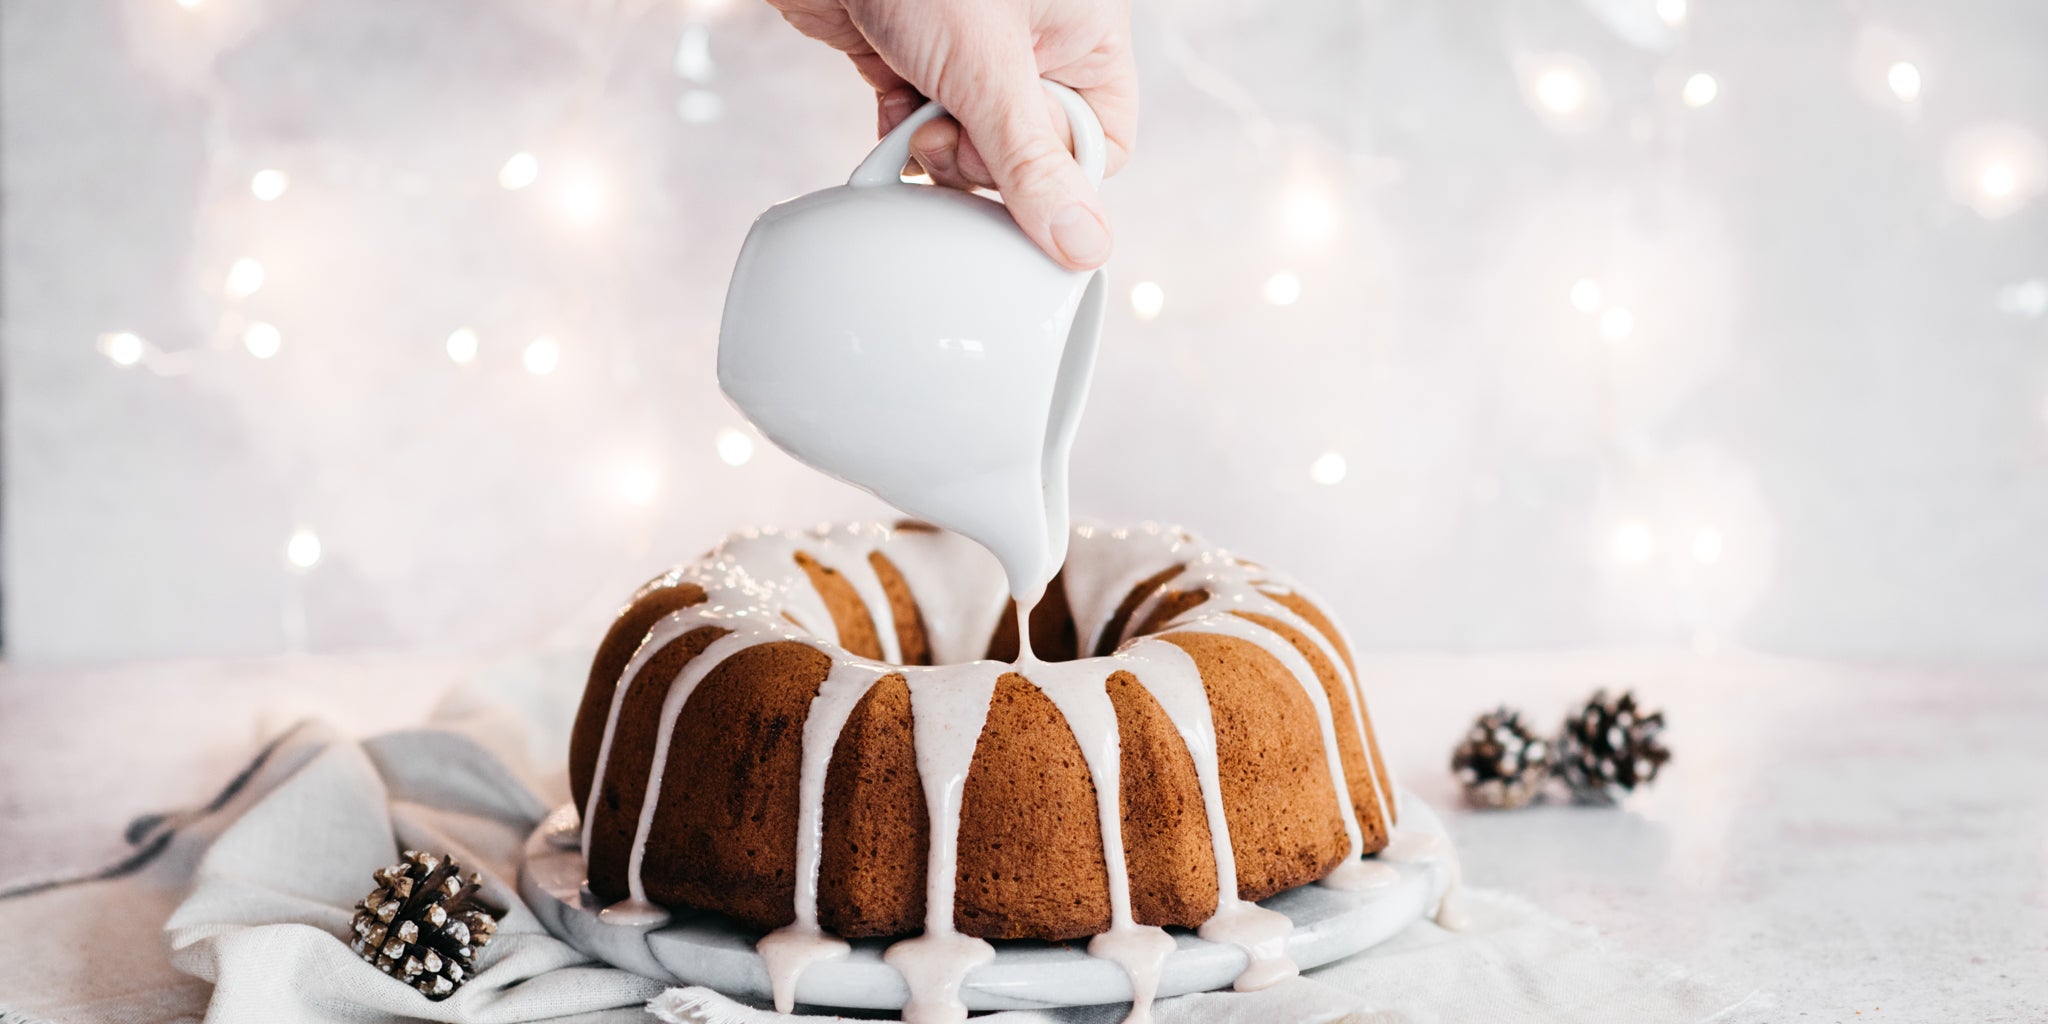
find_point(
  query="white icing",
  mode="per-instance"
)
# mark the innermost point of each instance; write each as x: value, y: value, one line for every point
x: 757, y: 593
x: 1312, y: 687
x: 801, y: 943
x: 679, y: 690
x: 1389, y: 794
x: 1175, y: 683
x: 1418, y: 847
x: 947, y: 711
x: 850, y: 560
x: 1116, y: 561
x: 1359, y: 876
x: 1079, y: 690
x: 937, y: 563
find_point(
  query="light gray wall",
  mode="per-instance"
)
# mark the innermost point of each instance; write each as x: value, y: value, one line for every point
x: 1836, y: 377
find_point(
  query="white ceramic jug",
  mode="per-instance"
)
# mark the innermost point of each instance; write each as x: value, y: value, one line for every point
x: 912, y: 340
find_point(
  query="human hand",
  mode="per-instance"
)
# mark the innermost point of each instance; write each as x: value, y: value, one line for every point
x: 982, y: 60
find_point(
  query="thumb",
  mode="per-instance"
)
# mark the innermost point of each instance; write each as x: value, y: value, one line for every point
x: 1011, y: 127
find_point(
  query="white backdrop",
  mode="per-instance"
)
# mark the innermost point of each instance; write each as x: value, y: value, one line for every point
x: 336, y: 324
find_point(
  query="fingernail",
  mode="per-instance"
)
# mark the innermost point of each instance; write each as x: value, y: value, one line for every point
x: 896, y: 105
x: 1081, y: 235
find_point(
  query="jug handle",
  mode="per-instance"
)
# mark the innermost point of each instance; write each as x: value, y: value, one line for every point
x: 884, y: 166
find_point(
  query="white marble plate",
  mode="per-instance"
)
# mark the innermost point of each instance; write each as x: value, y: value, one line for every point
x: 708, y: 950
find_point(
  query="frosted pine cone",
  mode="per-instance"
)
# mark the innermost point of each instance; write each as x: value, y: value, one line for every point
x: 1608, y: 748
x: 423, y: 923
x: 1501, y: 764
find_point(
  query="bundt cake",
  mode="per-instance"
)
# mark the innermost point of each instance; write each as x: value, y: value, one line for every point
x: 838, y: 734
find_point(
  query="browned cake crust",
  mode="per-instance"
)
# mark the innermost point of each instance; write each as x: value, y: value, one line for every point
x: 1030, y: 860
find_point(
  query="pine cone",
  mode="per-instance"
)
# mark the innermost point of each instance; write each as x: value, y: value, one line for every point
x: 423, y: 924
x: 1608, y: 748
x: 1501, y: 764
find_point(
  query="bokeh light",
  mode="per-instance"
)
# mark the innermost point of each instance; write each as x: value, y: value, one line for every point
x: 462, y: 346
x: 1617, y: 323
x: 1147, y: 300
x: 520, y: 170
x: 123, y: 348
x: 269, y: 184
x: 303, y: 550
x: 1283, y: 288
x: 262, y: 340
x: 1904, y: 80
x: 1700, y: 90
x: 542, y: 355
x: 735, y: 446
x: 1633, y: 543
x: 245, y: 278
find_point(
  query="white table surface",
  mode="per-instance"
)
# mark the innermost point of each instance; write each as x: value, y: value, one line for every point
x: 1867, y: 843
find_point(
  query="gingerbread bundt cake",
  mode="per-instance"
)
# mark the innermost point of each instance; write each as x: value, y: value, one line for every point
x: 824, y: 734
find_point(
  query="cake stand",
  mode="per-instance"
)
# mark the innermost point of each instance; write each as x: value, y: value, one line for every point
x: 709, y: 950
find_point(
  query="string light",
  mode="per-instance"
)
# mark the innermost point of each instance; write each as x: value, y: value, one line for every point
x: 1707, y: 546
x: 1328, y: 469
x: 1585, y: 295
x: 1283, y: 289
x: 462, y: 346
x: 1617, y: 323
x: 1672, y: 11
x: 303, y: 550
x: 245, y: 278
x: 639, y: 485
x: 1997, y: 180
x: 1997, y: 169
x: 1307, y: 214
x: 583, y: 199
x: 1633, y: 543
x: 124, y: 348
x: 1700, y: 90
x: 1904, y: 80
x: 1147, y: 299
x: 1561, y: 90
x: 542, y: 355
x: 268, y: 184
x: 262, y: 340
x: 520, y: 170
x: 735, y: 448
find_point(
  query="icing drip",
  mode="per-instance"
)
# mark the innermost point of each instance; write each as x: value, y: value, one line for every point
x: 1294, y: 621
x: 757, y: 593
x: 1025, y: 606
x: 790, y: 949
x: 851, y: 562
x: 1344, y: 877
x: 1417, y: 847
x: 1078, y: 689
x: 1390, y: 794
x: 947, y: 711
x: 638, y: 911
x: 1116, y: 562
x: 946, y: 563
x: 1175, y: 683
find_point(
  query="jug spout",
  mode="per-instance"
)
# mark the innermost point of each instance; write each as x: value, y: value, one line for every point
x: 1062, y: 422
